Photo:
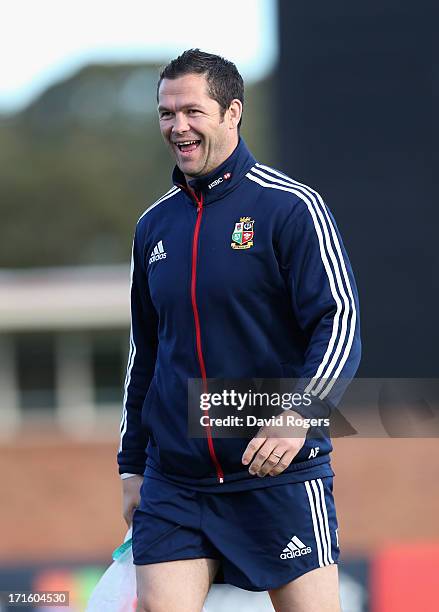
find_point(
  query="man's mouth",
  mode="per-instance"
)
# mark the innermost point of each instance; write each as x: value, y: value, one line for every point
x: 187, y: 146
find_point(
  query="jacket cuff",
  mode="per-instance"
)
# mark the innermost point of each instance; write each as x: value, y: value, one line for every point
x: 132, y: 462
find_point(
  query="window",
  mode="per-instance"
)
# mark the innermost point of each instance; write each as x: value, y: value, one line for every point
x: 36, y: 370
x: 108, y: 363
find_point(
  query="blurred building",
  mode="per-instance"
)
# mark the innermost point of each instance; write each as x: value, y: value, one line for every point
x: 63, y: 346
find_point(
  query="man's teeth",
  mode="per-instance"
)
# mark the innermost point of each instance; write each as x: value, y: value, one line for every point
x: 187, y: 142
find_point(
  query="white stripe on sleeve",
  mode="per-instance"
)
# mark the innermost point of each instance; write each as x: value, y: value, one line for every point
x: 315, y: 206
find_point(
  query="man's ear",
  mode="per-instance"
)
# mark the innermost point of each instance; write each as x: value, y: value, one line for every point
x: 235, y: 113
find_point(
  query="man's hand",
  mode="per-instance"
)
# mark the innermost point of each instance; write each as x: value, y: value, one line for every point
x: 274, y: 447
x: 131, y: 496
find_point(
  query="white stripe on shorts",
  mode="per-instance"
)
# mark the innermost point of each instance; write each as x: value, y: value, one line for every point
x: 325, y: 519
x: 319, y: 516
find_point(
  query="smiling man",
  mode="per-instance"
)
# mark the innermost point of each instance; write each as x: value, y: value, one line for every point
x: 200, y: 133
x: 238, y: 271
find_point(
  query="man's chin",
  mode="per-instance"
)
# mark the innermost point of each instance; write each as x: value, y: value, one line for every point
x: 190, y: 169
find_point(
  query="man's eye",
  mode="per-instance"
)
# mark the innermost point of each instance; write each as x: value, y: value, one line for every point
x: 165, y: 114
x: 193, y: 111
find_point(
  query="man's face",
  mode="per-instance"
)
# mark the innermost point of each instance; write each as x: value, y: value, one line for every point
x: 192, y: 124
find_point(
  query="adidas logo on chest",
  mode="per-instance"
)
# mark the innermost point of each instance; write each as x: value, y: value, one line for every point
x: 295, y: 548
x: 158, y: 252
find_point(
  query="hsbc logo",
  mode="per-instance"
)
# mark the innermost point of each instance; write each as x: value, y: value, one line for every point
x: 220, y: 179
x: 215, y: 183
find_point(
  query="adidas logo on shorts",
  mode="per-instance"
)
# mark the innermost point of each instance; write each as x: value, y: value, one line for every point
x: 158, y: 252
x: 295, y: 548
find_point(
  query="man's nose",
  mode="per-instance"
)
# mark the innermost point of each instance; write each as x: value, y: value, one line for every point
x: 180, y: 123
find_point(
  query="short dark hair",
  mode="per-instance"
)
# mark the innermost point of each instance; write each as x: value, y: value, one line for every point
x: 223, y: 79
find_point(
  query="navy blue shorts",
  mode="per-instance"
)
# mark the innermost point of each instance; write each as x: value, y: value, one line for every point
x: 264, y: 537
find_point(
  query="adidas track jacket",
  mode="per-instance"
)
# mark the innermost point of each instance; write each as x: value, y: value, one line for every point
x: 244, y: 275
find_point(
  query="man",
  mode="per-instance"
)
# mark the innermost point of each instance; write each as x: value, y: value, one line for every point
x: 237, y: 272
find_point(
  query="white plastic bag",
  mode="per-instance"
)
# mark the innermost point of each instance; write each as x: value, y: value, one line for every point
x: 116, y: 590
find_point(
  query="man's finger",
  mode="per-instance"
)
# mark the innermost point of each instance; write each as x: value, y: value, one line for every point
x: 128, y: 518
x: 252, y: 447
x: 129, y: 513
x: 272, y: 461
x: 283, y: 463
x: 262, y: 455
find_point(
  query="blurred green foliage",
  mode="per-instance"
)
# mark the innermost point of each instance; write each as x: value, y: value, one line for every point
x: 81, y: 163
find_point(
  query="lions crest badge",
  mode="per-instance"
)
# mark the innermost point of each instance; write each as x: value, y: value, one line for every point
x: 242, y: 235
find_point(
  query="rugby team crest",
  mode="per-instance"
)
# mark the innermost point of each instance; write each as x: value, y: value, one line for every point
x: 242, y: 236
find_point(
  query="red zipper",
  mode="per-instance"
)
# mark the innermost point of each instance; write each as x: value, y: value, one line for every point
x: 219, y: 471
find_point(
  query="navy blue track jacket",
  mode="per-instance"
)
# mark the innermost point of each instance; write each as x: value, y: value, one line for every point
x: 241, y: 274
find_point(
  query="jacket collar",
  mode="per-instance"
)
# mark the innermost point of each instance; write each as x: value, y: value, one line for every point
x: 223, y: 179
